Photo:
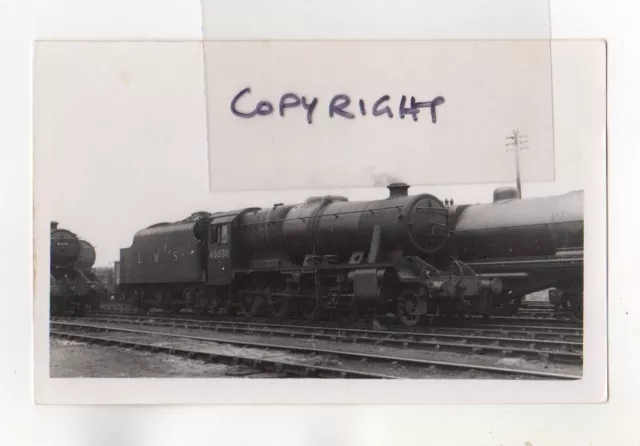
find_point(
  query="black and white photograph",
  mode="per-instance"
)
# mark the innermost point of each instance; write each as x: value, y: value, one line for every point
x: 354, y: 212
x: 329, y: 222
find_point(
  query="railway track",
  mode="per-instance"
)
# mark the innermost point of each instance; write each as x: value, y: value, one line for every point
x: 541, y: 345
x: 534, y: 326
x: 352, y: 362
x: 562, y: 333
x: 527, y: 318
x: 522, y: 332
x: 536, y: 309
x: 284, y: 368
x: 536, y: 312
x: 537, y: 303
x: 535, y: 306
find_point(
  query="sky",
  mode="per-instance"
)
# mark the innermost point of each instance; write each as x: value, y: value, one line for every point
x: 121, y: 140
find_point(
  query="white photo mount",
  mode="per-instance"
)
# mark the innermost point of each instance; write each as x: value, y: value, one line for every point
x: 579, y: 70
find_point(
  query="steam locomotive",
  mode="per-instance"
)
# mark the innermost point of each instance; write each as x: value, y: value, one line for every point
x: 73, y: 286
x: 530, y: 244
x: 329, y: 257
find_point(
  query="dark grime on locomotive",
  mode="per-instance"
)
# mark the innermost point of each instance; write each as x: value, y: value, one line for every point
x: 531, y: 244
x: 329, y: 257
x: 72, y: 284
x: 98, y: 289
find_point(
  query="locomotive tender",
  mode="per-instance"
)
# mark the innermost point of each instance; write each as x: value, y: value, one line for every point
x: 72, y: 284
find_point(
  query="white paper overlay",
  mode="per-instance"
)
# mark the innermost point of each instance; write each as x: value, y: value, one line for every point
x: 376, y: 19
x: 584, y: 93
x: 472, y: 94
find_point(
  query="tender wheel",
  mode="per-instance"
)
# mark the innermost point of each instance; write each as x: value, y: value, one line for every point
x: 200, y: 303
x: 136, y: 299
x: 407, y: 304
x: 199, y: 310
x: 168, y: 305
x: 250, y: 304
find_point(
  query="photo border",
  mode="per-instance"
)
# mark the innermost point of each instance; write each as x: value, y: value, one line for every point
x: 591, y: 388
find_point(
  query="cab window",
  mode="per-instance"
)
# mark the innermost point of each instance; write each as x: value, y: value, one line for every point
x: 213, y: 236
x: 219, y: 234
x: 224, y: 236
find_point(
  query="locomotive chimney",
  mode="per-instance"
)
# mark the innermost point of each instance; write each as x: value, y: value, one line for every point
x: 398, y: 190
x: 505, y: 194
x: 54, y: 225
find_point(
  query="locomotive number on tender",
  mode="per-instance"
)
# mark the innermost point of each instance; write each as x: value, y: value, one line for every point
x: 220, y: 254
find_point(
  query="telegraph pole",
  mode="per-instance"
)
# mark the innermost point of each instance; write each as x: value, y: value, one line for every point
x: 516, y: 144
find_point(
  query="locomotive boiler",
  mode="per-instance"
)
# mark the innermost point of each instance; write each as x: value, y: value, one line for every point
x: 65, y: 247
x: 345, y: 231
x: 530, y: 244
x: 86, y: 256
x: 326, y: 256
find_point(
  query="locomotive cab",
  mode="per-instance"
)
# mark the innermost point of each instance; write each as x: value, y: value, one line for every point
x: 219, y: 253
x: 220, y: 246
